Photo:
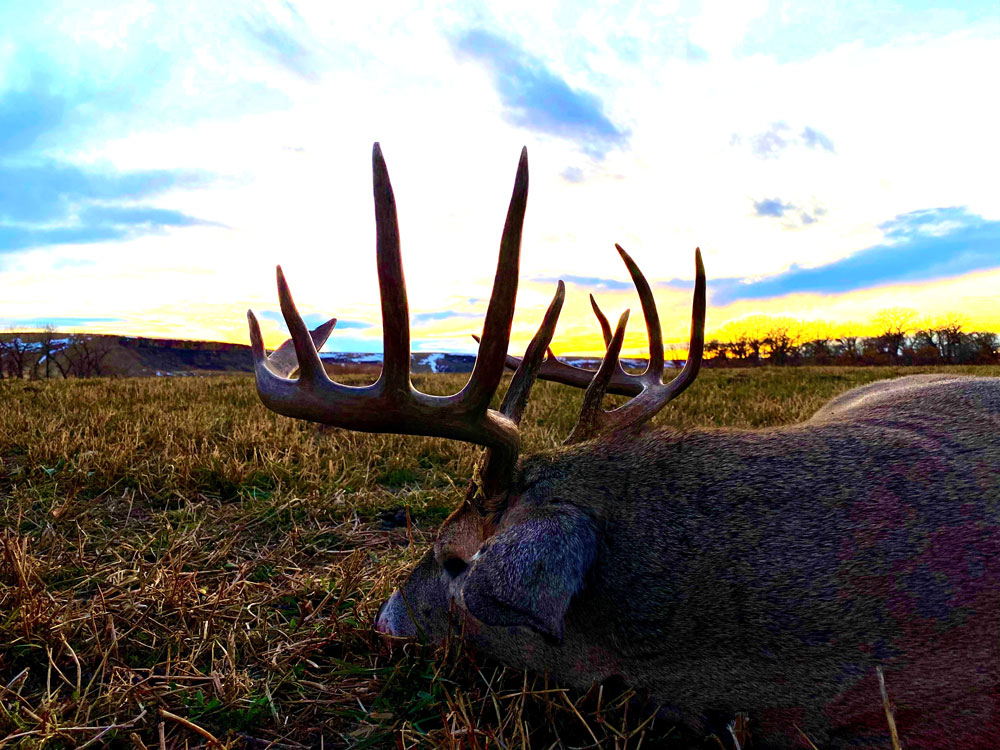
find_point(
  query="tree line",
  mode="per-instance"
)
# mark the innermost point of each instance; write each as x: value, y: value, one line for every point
x: 48, y: 354
x: 897, y: 336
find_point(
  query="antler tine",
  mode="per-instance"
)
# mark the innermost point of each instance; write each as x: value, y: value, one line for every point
x: 310, y: 366
x: 654, y: 368
x: 605, y: 326
x: 620, y: 373
x: 395, y: 376
x: 488, y: 370
x: 257, y: 346
x: 517, y: 394
x: 590, y: 421
x: 283, y: 360
x: 482, y: 492
x: 696, y: 344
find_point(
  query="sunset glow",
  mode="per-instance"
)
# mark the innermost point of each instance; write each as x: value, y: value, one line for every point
x: 831, y: 160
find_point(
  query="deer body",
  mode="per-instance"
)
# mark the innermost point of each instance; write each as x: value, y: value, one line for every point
x: 769, y: 571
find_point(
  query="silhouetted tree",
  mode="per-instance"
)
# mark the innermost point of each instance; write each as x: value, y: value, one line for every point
x: 15, y: 355
x: 948, y: 330
x: 894, y: 323
x: 47, y: 348
x: 84, y: 357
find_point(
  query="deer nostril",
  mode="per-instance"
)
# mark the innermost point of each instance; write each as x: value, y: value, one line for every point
x: 454, y: 566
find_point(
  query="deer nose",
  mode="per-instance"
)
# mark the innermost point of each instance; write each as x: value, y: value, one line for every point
x: 381, y: 623
x: 393, y: 619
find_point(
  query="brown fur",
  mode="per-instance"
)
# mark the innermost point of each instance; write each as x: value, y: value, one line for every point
x: 766, y: 571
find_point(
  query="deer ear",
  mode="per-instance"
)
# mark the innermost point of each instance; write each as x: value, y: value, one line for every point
x: 528, y: 573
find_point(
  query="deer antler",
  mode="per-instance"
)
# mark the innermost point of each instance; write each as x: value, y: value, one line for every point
x: 649, y: 392
x: 653, y: 394
x: 391, y: 404
x: 557, y: 371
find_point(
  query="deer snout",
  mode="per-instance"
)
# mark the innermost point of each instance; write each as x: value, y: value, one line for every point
x: 393, y: 619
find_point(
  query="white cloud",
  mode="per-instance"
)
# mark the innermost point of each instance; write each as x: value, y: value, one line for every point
x: 912, y: 124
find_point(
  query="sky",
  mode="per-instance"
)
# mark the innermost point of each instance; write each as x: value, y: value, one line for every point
x: 830, y: 159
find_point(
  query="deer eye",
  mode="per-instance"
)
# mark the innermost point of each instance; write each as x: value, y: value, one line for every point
x: 454, y: 566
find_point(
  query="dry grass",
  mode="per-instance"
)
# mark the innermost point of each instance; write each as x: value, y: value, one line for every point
x: 180, y: 567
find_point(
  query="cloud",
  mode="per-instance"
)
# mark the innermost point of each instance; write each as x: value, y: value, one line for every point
x: 777, y: 209
x: 26, y: 115
x: 284, y: 48
x: 795, y: 33
x: 429, y: 317
x: 154, y: 67
x: 141, y: 216
x: 55, y: 203
x: 536, y: 98
x: 314, y: 319
x: 47, y: 191
x: 352, y: 344
x: 43, y: 104
x: 771, y: 142
x: 923, y: 245
x: 573, y: 174
x: 815, y: 139
x: 694, y: 53
x: 779, y: 137
x: 771, y: 207
x: 591, y: 282
x: 56, y: 322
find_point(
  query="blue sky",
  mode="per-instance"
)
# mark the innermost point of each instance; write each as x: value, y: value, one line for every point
x: 158, y: 159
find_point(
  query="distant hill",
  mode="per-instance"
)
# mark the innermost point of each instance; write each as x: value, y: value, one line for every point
x: 135, y: 356
x: 66, y: 354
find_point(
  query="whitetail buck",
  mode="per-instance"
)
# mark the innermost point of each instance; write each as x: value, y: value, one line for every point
x: 767, y: 571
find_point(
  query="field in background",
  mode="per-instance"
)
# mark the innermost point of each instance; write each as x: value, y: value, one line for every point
x: 178, y: 563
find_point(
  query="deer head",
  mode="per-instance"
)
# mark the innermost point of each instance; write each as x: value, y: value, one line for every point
x: 496, y: 559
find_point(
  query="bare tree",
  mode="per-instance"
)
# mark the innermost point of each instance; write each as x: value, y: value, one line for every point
x: 47, y: 349
x: 818, y: 351
x: 782, y: 337
x: 848, y: 344
x: 751, y: 336
x: 893, y: 324
x: 948, y: 330
x: 984, y: 347
x: 84, y: 357
x: 717, y: 351
x: 15, y: 355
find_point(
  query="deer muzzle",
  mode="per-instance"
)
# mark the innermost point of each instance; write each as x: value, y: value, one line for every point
x: 393, y: 619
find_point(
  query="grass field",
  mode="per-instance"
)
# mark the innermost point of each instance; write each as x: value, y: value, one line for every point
x: 180, y: 566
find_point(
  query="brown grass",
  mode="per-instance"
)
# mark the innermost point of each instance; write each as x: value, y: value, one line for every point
x: 179, y: 567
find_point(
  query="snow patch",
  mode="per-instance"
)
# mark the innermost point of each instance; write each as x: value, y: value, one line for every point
x: 432, y: 361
